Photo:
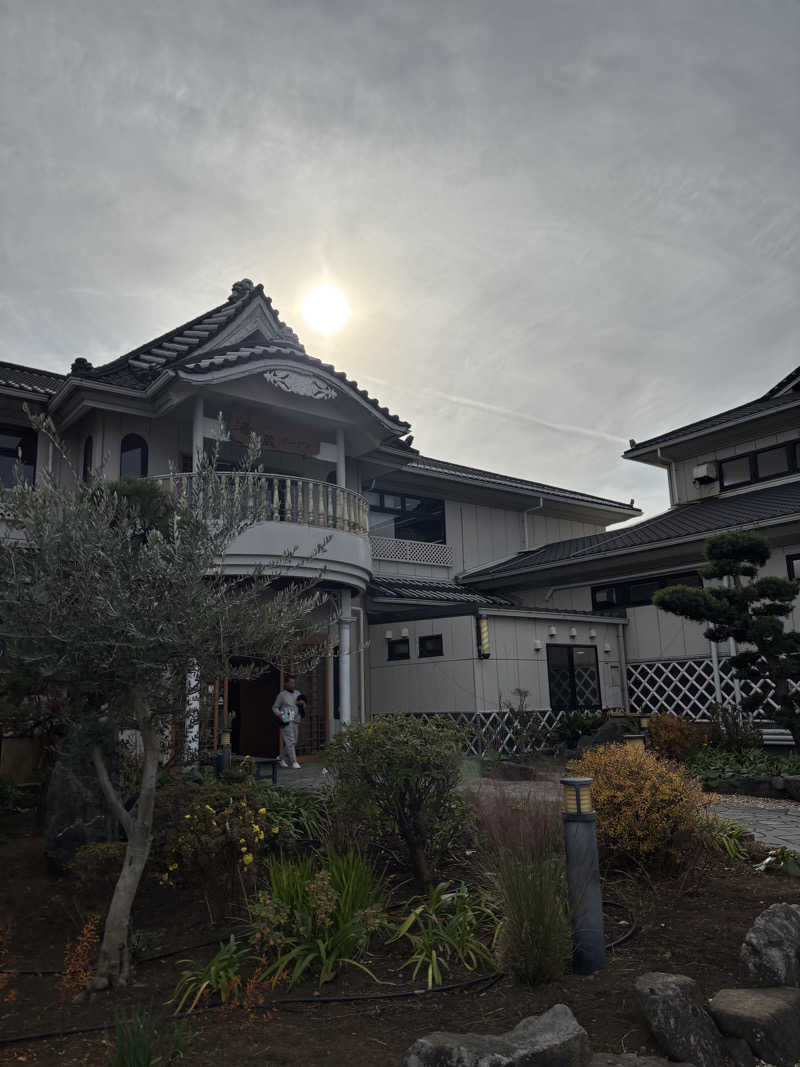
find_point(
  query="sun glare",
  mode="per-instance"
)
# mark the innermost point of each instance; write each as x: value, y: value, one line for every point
x: 325, y: 309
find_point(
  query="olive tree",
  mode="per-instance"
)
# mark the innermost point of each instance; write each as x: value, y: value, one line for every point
x: 124, y: 619
x: 751, y: 610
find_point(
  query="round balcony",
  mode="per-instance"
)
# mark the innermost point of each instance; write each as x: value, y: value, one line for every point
x: 324, y: 526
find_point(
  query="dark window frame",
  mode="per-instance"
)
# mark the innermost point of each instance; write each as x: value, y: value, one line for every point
x: 408, y: 513
x: 622, y: 590
x: 430, y: 637
x: 792, y: 450
x: 790, y: 559
x: 392, y: 644
x: 140, y: 445
x: 25, y: 433
x: 573, y: 704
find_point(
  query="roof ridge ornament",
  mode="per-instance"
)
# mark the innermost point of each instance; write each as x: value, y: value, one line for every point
x: 290, y: 381
x: 240, y: 289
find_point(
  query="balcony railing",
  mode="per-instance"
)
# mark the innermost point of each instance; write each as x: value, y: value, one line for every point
x: 274, y: 498
x: 397, y: 551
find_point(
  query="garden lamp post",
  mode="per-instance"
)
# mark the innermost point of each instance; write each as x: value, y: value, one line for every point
x: 583, y: 876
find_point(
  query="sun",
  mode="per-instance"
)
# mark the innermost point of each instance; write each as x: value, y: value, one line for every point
x: 325, y: 309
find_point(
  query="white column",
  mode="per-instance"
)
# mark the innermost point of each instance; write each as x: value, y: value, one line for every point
x: 341, y: 467
x: 715, y: 672
x: 345, y: 621
x: 197, y: 431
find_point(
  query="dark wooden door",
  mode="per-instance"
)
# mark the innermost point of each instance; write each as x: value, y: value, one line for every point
x: 259, y: 730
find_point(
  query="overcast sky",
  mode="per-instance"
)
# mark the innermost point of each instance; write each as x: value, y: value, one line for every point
x: 559, y: 223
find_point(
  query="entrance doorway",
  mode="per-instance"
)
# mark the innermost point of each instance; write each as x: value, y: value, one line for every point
x: 255, y: 731
x: 573, y: 677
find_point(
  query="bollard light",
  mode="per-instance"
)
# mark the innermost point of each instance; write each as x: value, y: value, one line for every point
x: 577, y: 798
x: 634, y: 741
x: 583, y: 876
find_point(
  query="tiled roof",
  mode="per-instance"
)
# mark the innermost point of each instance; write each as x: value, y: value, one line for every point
x: 784, y: 383
x: 43, y: 383
x: 257, y: 347
x: 394, y: 588
x: 754, y: 408
x: 175, y: 350
x: 427, y: 465
x: 686, y: 521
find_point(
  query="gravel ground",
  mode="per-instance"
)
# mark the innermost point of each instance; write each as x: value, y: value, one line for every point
x: 742, y: 800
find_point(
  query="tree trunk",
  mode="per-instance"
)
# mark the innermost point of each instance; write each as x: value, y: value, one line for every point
x: 113, y: 961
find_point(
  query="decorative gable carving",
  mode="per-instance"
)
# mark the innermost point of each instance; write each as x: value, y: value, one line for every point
x: 289, y: 381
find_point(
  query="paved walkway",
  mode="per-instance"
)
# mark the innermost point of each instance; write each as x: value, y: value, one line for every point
x: 774, y: 825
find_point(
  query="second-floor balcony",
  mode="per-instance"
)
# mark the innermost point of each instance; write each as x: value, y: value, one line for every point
x: 286, y: 514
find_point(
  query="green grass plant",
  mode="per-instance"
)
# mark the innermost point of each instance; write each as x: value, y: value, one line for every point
x: 222, y: 975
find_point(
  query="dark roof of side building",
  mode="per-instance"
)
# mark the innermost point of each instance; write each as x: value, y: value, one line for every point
x: 42, y: 383
x: 457, y: 472
x: 683, y: 522
x: 394, y: 588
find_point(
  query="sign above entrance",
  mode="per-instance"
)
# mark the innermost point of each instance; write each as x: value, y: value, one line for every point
x: 290, y: 381
x: 299, y: 440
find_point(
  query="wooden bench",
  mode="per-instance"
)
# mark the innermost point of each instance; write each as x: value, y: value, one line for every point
x: 774, y: 736
x: 261, y: 764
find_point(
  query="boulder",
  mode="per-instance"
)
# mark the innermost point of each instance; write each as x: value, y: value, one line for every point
x: 740, y: 1052
x: 770, y: 954
x: 554, y: 1039
x: 74, y: 815
x: 767, y: 1019
x: 791, y: 783
x: 679, y: 1022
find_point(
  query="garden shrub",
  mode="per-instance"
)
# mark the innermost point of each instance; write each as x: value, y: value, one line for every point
x: 396, y: 779
x: 649, y: 811
x: 97, y: 866
x: 572, y: 726
x: 315, y: 916
x: 755, y: 762
x: 218, y: 838
x: 673, y: 737
x: 731, y: 730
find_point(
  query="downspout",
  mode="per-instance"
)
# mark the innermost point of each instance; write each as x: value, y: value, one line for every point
x: 362, y: 681
x: 525, y: 514
x: 732, y: 651
x: 670, y: 476
x: 623, y: 668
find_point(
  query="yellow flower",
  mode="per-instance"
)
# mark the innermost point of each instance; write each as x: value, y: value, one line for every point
x: 173, y: 866
x: 241, y: 840
x: 274, y: 829
x: 247, y: 859
x: 187, y: 816
x: 262, y: 811
x: 244, y: 848
x: 209, y: 808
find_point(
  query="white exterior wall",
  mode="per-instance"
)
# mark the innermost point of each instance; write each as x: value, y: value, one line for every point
x: 684, y: 487
x: 543, y: 529
x: 573, y: 598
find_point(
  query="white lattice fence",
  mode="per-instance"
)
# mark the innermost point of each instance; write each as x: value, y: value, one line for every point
x: 398, y: 551
x: 507, y: 731
x: 686, y: 687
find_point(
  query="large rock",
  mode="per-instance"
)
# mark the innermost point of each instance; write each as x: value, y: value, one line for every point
x: 771, y: 951
x: 767, y: 1019
x: 680, y: 1024
x: 791, y: 783
x: 75, y: 815
x: 554, y: 1039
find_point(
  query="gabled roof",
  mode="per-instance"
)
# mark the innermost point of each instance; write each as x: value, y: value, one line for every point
x: 685, y: 522
x: 790, y: 382
x: 41, y: 383
x: 475, y: 476
x: 764, y: 406
x: 420, y: 589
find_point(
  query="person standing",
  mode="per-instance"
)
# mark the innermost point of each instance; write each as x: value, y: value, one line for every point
x: 290, y: 709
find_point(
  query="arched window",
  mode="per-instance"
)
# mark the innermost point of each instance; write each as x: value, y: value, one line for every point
x: 87, y: 459
x: 133, y: 456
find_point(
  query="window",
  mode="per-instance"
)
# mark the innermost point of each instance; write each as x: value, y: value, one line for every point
x: 639, y: 591
x: 573, y: 678
x: 759, y: 466
x: 793, y: 566
x: 406, y: 518
x: 399, y: 648
x: 17, y: 450
x: 133, y: 457
x: 87, y: 459
x: 431, y: 645
x: 735, y: 472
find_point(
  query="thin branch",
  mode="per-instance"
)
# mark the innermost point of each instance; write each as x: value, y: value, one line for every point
x: 110, y: 792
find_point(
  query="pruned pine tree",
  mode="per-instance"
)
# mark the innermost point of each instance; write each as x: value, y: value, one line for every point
x: 116, y: 603
x: 751, y: 610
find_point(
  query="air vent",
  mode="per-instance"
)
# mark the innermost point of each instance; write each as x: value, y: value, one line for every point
x: 704, y: 473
